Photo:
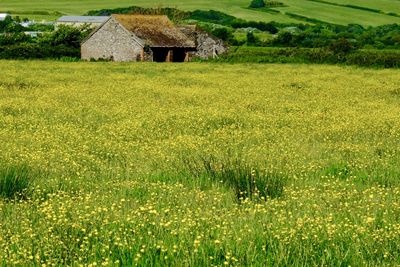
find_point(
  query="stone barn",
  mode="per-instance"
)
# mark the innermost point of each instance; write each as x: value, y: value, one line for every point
x: 138, y: 38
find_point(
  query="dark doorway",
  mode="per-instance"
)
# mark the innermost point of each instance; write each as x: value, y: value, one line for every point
x: 179, y: 55
x: 160, y: 54
x: 166, y: 54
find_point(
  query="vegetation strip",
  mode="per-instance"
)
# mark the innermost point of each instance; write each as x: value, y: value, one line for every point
x: 357, y: 7
x: 365, y: 58
x: 304, y: 18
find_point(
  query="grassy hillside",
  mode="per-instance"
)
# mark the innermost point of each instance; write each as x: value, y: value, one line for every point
x: 312, y: 9
x: 338, y: 14
x: 147, y: 164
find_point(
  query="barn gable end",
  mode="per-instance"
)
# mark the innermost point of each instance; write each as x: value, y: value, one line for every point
x: 113, y: 42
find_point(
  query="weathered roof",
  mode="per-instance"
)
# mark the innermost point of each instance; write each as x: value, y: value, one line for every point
x: 83, y: 19
x: 156, y: 31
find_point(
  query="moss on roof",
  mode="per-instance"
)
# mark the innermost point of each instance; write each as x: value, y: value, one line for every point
x: 155, y: 30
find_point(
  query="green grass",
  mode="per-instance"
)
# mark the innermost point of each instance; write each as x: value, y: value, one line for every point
x: 319, y: 11
x: 236, y: 8
x: 15, y: 181
x: 117, y: 142
x: 336, y: 14
x: 384, y: 5
x: 246, y: 181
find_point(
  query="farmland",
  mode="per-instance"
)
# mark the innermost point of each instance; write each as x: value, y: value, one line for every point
x: 110, y: 149
x: 333, y: 11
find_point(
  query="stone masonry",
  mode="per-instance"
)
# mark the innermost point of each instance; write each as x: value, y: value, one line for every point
x: 112, y: 42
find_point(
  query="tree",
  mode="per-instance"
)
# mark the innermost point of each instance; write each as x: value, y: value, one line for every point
x: 252, y: 40
x: 284, y: 38
x: 5, y: 23
x: 342, y: 46
x: 222, y: 33
x: 67, y: 35
x: 257, y: 4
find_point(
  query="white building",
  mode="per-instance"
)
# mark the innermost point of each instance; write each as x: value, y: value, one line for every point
x: 3, y: 16
x: 77, y: 21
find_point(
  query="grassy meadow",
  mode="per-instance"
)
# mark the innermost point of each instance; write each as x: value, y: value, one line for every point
x: 320, y: 10
x: 149, y: 164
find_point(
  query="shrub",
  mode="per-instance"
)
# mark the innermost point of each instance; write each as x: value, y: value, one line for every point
x: 67, y: 36
x: 16, y: 38
x: 284, y: 38
x: 257, y: 4
x: 274, y: 4
x: 252, y: 40
x: 32, y: 50
x: 15, y: 181
x: 342, y: 46
x: 5, y: 23
x: 222, y: 33
x: 247, y: 182
x: 212, y: 16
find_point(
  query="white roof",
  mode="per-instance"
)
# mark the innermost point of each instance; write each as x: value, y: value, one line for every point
x: 83, y: 19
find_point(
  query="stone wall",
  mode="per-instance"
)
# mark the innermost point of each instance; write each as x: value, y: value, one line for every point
x: 207, y: 45
x: 112, y: 42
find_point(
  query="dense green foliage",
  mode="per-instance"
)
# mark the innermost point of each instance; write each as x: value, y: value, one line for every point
x: 257, y: 4
x: 324, y: 35
x: 36, y: 50
x: 9, y: 25
x: 63, y: 42
x: 367, y: 58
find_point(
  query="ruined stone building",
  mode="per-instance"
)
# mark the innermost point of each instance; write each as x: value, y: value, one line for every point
x: 207, y: 45
x: 138, y: 38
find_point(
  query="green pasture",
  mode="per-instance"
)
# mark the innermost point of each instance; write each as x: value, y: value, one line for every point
x: 336, y: 14
x: 238, y: 8
x: 387, y: 6
x: 77, y: 7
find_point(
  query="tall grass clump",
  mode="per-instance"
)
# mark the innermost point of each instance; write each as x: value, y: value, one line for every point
x: 15, y: 181
x: 246, y: 181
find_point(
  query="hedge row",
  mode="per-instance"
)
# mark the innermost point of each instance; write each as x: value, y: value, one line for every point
x: 370, y: 58
x: 32, y: 50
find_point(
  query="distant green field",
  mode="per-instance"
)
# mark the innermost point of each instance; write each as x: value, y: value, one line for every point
x: 339, y: 14
x: 307, y: 8
x: 235, y: 7
x: 384, y: 5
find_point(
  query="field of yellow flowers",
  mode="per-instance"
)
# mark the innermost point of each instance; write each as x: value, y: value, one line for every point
x: 131, y: 164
